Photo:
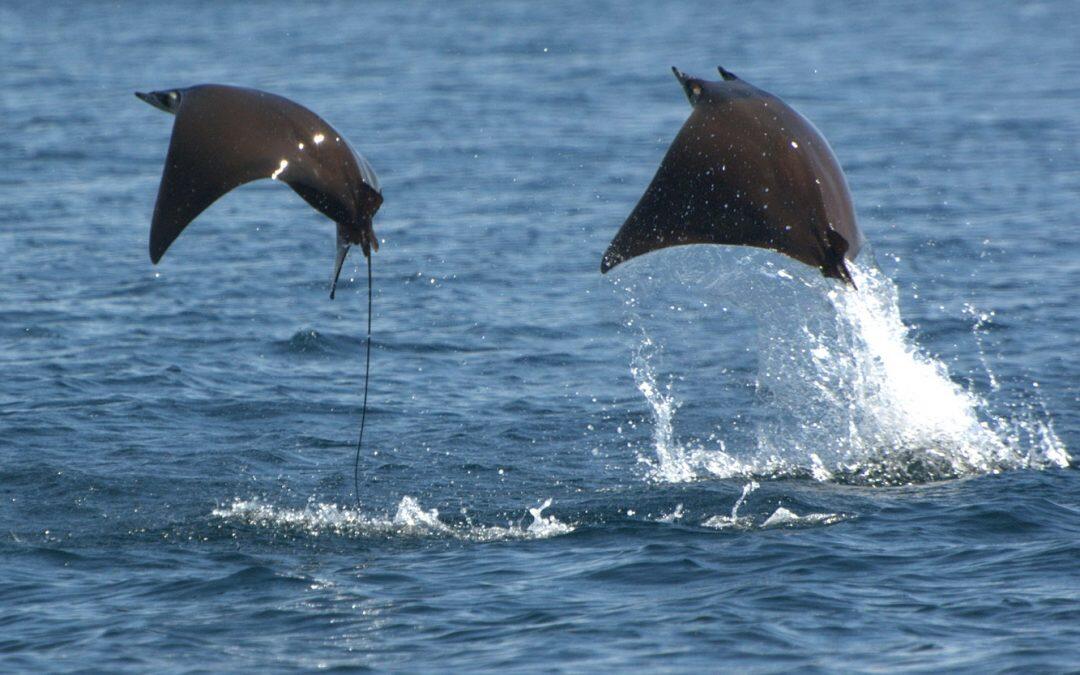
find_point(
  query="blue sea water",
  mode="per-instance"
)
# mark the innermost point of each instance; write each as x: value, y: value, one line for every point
x: 710, y: 459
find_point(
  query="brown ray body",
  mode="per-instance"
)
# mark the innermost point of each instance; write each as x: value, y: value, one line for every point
x: 745, y: 169
x: 226, y: 136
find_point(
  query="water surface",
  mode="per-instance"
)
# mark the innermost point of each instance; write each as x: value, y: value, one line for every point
x: 554, y: 458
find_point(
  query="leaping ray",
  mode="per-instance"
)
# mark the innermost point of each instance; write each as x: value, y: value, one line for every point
x: 745, y: 169
x: 226, y: 136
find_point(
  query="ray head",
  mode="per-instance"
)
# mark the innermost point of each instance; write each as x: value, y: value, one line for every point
x: 167, y: 100
x: 692, y: 86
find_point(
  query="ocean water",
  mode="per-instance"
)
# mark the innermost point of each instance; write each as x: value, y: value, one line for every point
x: 710, y: 459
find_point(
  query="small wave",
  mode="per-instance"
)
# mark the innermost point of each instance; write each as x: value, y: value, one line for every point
x: 242, y: 581
x: 65, y: 155
x: 309, y: 342
x: 32, y: 332
x: 409, y: 520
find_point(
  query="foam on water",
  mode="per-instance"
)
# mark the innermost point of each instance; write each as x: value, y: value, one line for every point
x: 843, y: 391
x: 410, y: 519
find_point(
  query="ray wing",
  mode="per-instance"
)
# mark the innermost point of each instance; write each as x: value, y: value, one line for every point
x: 688, y: 202
x: 209, y: 155
x: 731, y: 176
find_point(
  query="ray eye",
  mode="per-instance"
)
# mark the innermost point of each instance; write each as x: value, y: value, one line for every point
x: 696, y: 89
x: 172, y: 95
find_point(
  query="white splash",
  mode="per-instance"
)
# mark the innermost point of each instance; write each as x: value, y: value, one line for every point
x: 845, y: 393
x: 782, y: 517
x: 675, y: 462
x: 747, y: 489
x: 723, y: 522
x: 671, y: 464
x: 409, y: 519
x: 672, y: 517
x: 543, y: 527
